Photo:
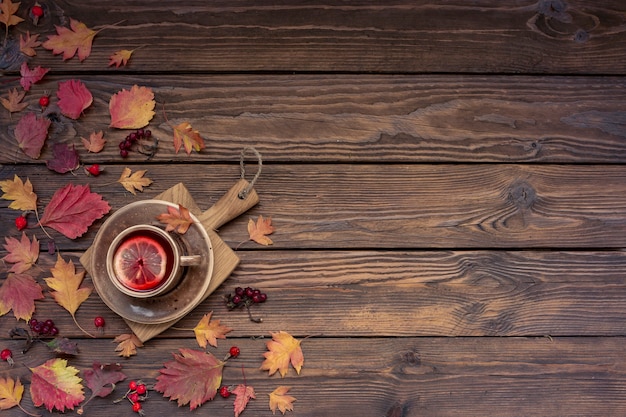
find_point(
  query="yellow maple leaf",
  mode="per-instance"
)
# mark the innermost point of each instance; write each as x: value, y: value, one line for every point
x: 282, y: 350
x: 132, y: 109
x: 258, y: 231
x: 280, y: 400
x: 28, y: 43
x: 134, y: 181
x: 14, y: 101
x: 11, y: 392
x: 120, y: 58
x: 8, y: 9
x: 20, y: 192
x: 69, y: 42
x: 187, y: 137
x: 95, y: 143
x: 208, y: 331
x: 178, y: 219
x: 67, y: 292
x: 127, y: 344
x: 56, y: 385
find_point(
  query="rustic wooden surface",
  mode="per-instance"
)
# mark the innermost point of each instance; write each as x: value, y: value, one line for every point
x: 447, y: 181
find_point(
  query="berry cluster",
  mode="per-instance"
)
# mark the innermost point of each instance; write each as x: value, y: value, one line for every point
x: 43, y: 328
x: 246, y: 296
x: 136, y: 394
x: 127, y: 144
x: 7, y: 355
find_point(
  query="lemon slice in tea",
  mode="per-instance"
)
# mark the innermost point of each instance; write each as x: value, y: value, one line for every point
x: 141, y: 261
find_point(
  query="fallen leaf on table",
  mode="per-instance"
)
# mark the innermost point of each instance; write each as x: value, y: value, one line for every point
x: 259, y: 231
x: 193, y: 378
x: 208, y: 331
x: 66, y: 290
x: 95, y: 143
x: 11, y: 392
x: 244, y: 393
x: 120, y: 58
x: 23, y: 254
x: 14, y: 101
x: 101, y: 380
x: 8, y: 9
x: 177, y: 219
x: 64, y: 158
x: 127, y: 344
x: 74, y: 98
x: 30, y: 77
x: 73, y: 209
x: 135, y: 181
x: 28, y: 43
x: 132, y: 109
x: 282, y: 350
x: 280, y: 400
x: 18, y: 293
x: 69, y: 42
x: 56, y: 385
x: 31, y: 133
x: 20, y: 192
x: 185, y: 136
x: 63, y: 346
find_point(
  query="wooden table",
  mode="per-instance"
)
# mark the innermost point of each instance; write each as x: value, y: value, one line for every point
x: 447, y: 184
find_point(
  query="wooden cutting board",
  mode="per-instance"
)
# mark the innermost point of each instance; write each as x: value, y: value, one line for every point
x: 226, y: 209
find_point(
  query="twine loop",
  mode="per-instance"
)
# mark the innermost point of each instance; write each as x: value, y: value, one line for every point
x: 244, y: 193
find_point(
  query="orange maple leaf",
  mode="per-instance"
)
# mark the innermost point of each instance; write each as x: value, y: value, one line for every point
x: 20, y: 192
x: 134, y: 181
x: 244, y: 393
x: 127, y: 344
x: 22, y: 253
x: 280, y: 400
x: 120, y: 58
x: 208, y: 331
x: 18, y: 293
x: 187, y: 137
x: 69, y: 42
x: 56, y: 385
x: 132, y: 109
x: 282, y: 350
x: 14, y: 101
x: 8, y: 9
x: 28, y: 43
x: 95, y: 143
x: 11, y: 392
x: 178, y: 219
x: 259, y: 231
x: 66, y: 285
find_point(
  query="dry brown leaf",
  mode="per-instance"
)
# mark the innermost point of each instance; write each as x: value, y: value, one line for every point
x: 28, y: 43
x: 188, y: 138
x: 280, y: 400
x: 283, y: 349
x: 14, y: 101
x: 259, y: 231
x: 95, y: 143
x: 7, y: 15
x: 208, y: 331
x: 134, y: 182
x: 127, y: 344
x: 20, y: 192
x: 178, y: 219
x: 120, y: 58
x: 69, y: 42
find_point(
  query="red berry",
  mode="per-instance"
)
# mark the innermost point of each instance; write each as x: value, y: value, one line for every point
x: 37, y: 10
x: 234, y: 352
x: 44, y: 101
x: 123, y: 153
x: 133, y: 397
x: 132, y: 385
x: 98, y: 322
x: 94, y: 170
x: 21, y: 222
x: 6, y: 354
x: 224, y: 391
x: 136, y: 407
x: 141, y: 389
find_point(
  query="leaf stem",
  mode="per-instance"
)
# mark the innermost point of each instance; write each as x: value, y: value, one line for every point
x: 83, y: 330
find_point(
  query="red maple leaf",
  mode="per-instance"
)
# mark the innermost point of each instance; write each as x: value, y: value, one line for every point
x: 22, y: 253
x: 54, y: 384
x: 31, y: 133
x: 101, y: 380
x: 193, y: 377
x: 64, y: 158
x: 74, y: 98
x: 30, y: 77
x: 73, y: 209
x: 243, y: 393
x: 18, y: 293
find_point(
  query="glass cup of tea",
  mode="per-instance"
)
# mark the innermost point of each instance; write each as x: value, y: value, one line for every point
x: 146, y: 261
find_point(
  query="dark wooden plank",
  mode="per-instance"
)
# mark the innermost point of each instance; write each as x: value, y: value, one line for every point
x: 391, y: 206
x: 547, y: 36
x: 369, y: 294
x: 395, y: 377
x: 340, y: 118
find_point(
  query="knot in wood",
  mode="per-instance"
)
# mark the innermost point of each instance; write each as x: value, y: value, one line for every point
x: 522, y: 195
x: 412, y: 358
x: 555, y: 9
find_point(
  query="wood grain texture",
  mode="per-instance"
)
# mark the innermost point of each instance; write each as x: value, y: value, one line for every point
x: 342, y: 118
x: 545, y: 36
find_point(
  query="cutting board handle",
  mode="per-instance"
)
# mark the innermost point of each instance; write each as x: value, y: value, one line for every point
x: 230, y: 206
